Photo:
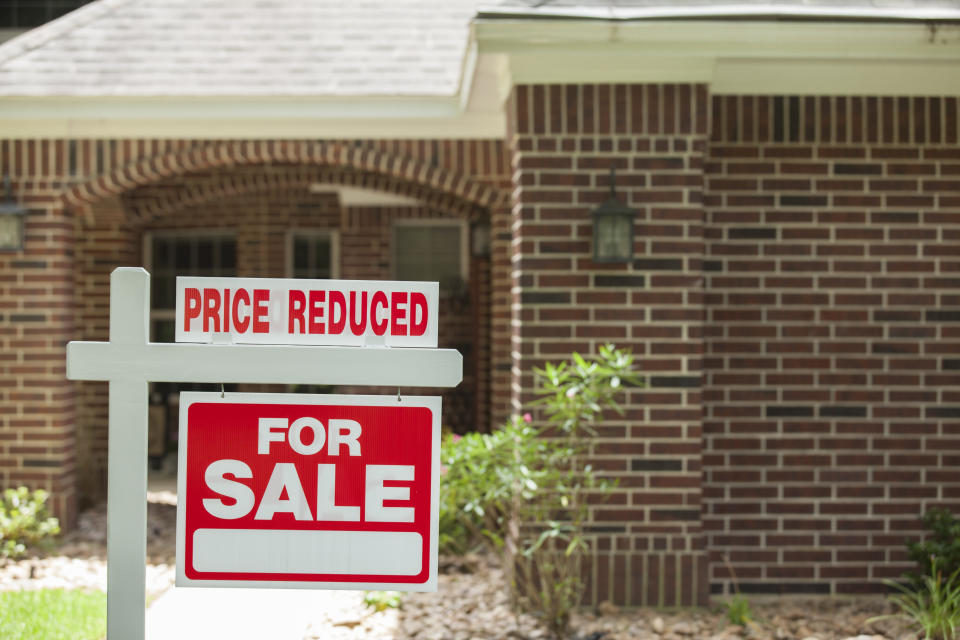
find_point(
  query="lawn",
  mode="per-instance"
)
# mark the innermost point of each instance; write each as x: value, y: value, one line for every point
x: 53, y: 614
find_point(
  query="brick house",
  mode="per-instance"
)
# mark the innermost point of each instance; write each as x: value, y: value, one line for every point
x: 793, y: 297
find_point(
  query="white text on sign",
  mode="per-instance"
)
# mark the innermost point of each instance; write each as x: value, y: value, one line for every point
x: 323, y: 312
x: 286, y: 481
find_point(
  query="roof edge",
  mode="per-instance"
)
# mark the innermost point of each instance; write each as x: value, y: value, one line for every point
x: 732, y: 11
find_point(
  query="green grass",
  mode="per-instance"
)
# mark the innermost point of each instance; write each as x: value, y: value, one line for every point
x: 53, y: 614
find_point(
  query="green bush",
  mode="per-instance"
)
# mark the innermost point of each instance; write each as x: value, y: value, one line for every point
x: 485, y: 477
x: 522, y: 489
x: 943, y: 544
x: 24, y: 520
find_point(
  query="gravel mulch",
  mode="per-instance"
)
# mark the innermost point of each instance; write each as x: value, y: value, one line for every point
x: 468, y: 606
x: 79, y: 561
x: 474, y: 606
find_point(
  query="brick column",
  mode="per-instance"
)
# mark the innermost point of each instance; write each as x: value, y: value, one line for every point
x: 105, y: 240
x: 500, y: 310
x: 565, y: 139
x: 37, y: 436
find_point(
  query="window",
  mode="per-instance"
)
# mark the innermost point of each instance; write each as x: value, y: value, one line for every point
x: 432, y: 250
x: 169, y: 255
x: 313, y: 254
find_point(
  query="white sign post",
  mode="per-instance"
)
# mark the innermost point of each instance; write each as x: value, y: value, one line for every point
x: 129, y: 361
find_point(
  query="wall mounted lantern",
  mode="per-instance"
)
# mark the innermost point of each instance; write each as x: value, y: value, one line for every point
x: 613, y: 228
x: 12, y: 217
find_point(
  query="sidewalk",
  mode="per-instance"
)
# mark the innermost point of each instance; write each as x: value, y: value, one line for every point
x: 246, y: 614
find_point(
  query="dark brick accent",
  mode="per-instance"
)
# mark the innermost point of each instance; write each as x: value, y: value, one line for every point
x: 686, y: 382
x: 545, y: 297
x: 894, y: 217
x: 752, y: 233
x: 675, y: 514
x: 803, y: 201
x: 857, y: 169
x: 943, y: 316
x: 843, y: 412
x: 783, y: 588
x: 594, y: 528
x: 655, y: 264
x: 881, y: 348
x: 943, y: 412
x: 619, y: 281
x: 951, y: 364
x: 41, y: 463
x: 896, y: 316
x: 29, y: 264
x: 27, y: 317
x: 713, y: 265
x: 653, y: 464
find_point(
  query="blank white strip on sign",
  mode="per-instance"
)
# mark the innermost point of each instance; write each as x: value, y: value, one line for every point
x: 390, y: 553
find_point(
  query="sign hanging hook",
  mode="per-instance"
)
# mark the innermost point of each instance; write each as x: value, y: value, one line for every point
x: 398, y: 395
x: 221, y: 390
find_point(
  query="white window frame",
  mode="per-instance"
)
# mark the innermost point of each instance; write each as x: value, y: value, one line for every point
x: 332, y: 234
x: 435, y: 222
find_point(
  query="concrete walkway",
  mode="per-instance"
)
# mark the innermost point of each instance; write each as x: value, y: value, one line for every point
x: 243, y: 614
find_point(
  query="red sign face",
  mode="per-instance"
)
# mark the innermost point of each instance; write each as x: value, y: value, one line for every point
x: 280, y: 490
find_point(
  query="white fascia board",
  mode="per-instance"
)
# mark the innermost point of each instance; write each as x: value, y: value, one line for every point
x: 729, y: 11
x: 798, y: 58
x: 244, y: 117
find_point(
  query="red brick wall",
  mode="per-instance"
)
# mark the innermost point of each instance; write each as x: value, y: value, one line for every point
x: 37, y: 433
x: 565, y: 138
x: 832, y: 365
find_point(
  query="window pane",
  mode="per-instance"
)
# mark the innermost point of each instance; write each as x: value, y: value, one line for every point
x: 228, y: 257
x: 181, y: 254
x: 321, y: 254
x: 205, y: 256
x: 312, y: 256
x: 301, y: 255
x: 430, y: 253
x: 161, y: 253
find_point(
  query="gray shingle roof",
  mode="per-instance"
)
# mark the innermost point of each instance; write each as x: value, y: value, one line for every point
x: 316, y: 48
x: 244, y: 48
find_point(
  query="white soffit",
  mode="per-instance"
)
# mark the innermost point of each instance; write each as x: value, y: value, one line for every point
x: 360, y: 197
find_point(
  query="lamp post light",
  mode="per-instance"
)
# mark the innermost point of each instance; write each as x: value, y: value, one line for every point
x: 613, y: 228
x: 12, y: 217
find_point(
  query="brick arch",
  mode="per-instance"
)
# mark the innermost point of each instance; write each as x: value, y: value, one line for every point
x: 263, y: 152
x: 151, y: 201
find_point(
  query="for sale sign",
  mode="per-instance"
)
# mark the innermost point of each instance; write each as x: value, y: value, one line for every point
x: 310, y: 491
x: 317, y: 312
